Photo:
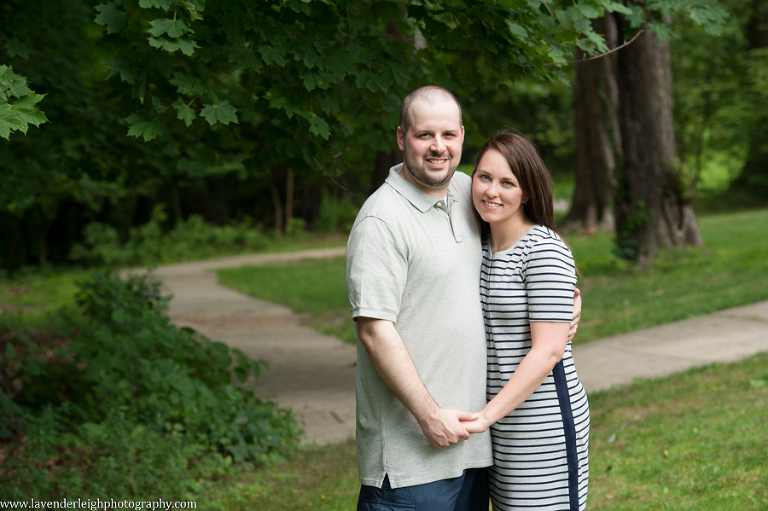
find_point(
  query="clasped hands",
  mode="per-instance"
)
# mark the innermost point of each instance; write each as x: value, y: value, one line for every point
x: 445, y: 427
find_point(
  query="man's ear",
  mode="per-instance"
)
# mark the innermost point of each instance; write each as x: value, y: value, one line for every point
x: 400, y: 138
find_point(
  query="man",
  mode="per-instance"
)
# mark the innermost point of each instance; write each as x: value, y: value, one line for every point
x: 413, y: 260
x: 413, y: 266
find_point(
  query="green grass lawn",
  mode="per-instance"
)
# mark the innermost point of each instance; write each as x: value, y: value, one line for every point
x: 34, y: 298
x: 696, y: 440
x: 730, y: 270
x: 691, y: 441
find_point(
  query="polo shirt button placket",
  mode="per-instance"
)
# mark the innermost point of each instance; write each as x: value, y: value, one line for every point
x: 441, y: 205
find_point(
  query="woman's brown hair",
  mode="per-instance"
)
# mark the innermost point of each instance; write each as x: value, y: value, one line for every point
x: 531, y: 173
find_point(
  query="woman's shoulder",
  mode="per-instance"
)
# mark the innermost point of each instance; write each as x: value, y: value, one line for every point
x: 542, y: 234
x: 543, y: 239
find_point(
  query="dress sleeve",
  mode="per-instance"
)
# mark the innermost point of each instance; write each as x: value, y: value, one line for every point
x: 376, y: 270
x: 550, y: 278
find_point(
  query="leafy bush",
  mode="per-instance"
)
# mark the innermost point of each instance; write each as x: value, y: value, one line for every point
x: 150, y: 243
x: 101, y: 246
x: 147, y: 406
x: 336, y: 214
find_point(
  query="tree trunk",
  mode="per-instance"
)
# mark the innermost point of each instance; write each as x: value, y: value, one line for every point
x: 175, y: 200
x: 278, y: 207
x: 753, y: 178
x: 653, y: 205
x: 288, y: 197
x: 598, y: 139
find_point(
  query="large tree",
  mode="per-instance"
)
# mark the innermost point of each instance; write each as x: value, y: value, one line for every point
x: 597, y: 134
x: 318, y: 71
x: 301, y: 88
x: 625, y: 136
x: 653, y: 206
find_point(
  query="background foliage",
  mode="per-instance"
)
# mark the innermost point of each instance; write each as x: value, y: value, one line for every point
x: 124, y: 404
x: 259, y: 113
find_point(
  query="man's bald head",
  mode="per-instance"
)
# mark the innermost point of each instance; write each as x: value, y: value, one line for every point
x: 429, y: 94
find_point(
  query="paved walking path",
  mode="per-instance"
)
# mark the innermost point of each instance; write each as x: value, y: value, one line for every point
x: 315, y: 374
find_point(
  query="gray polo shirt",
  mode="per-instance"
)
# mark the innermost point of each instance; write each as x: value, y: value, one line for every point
x: 412, y: 262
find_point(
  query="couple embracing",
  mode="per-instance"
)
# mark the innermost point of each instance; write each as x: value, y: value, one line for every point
x: 465, y: 305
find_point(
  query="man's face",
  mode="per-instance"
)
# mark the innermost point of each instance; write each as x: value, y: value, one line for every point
x: 432, y: 146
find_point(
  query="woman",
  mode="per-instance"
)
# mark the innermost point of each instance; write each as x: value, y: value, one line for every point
x: 537, y: 410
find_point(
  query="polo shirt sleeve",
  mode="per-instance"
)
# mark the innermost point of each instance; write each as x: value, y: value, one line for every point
x: 550, y: 279
x: 376, y: 270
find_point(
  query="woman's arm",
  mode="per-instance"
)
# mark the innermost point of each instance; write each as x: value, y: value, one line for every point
x: 548, y: 342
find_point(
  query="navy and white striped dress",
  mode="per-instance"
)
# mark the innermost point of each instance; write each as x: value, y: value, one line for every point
x: 540, y: 449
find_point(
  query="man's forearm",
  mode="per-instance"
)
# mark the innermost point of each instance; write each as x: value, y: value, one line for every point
x: 392, y: 361
x: 396, y: 369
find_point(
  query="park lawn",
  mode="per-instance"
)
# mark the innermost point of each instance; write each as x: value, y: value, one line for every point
x: 35, y: 298
x: 694, y: 440
x: 730, y: 270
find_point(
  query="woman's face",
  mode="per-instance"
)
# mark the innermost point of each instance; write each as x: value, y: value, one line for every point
x: 496, y: 193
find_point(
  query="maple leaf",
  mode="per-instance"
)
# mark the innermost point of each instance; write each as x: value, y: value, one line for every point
x: 111, y: 17
x: 184, y: 112
x: 17, y: 104
x: 139, y: 126
x: 172, y: 27
x: 219, y: 112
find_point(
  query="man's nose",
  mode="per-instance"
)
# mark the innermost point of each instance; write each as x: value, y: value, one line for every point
x: 438, y: 145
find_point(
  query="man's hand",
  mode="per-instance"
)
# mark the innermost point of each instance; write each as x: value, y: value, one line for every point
x: 576, y: 314
x: 444, y: 428
x: 392, y: 361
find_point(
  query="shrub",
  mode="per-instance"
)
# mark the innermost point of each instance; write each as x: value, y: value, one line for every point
x: 151, y: 243
x: 296, y: 227
x: 336, y: 214
x: 147, y: 406
x: 101, y: 245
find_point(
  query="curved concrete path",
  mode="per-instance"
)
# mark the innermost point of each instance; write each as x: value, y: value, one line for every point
x: 309, y: 372
x: 315, y: 374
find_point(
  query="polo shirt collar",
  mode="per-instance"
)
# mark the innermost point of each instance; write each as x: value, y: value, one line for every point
x: 420, y: 200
